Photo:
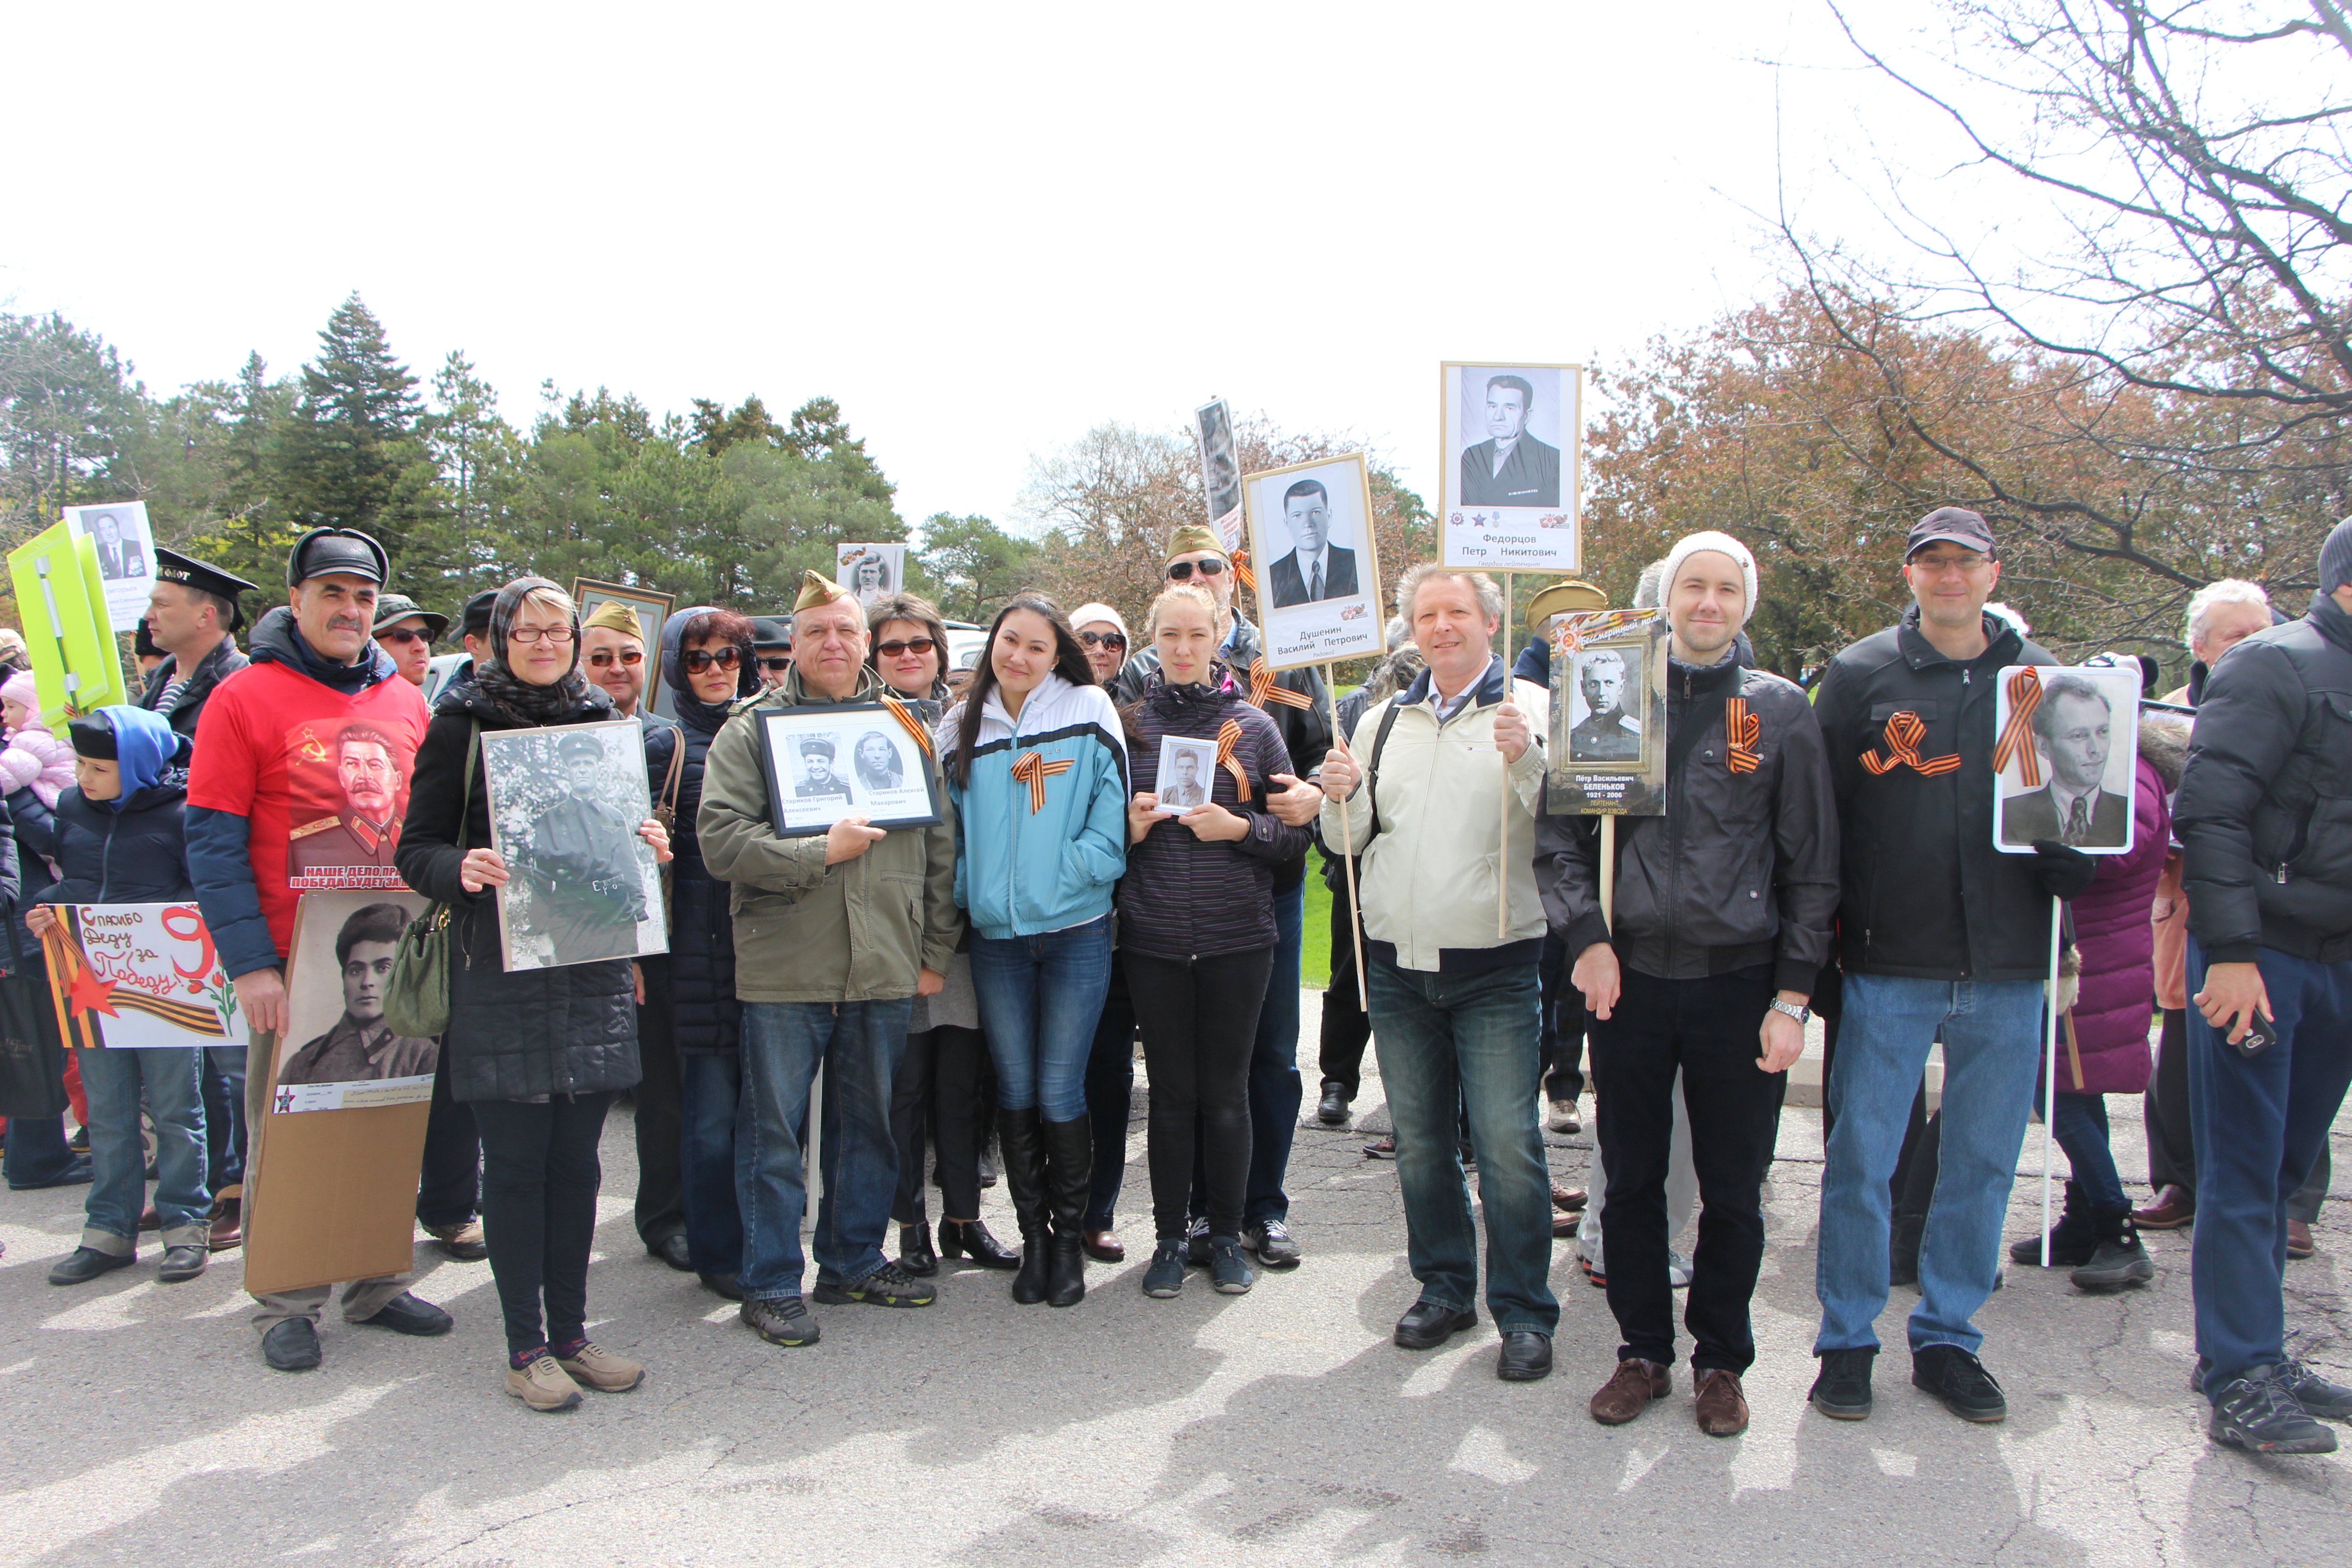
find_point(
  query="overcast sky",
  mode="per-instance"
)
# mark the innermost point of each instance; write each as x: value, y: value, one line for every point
x: 983, y: 229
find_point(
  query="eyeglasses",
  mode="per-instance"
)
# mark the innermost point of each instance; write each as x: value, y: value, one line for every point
x: 698, y: 659
x: 604, y: 657
x: 556, y: 635
x: 1936, y: 566
x: 777, y: 664
x: 1180, y: 570
x: 1103, y: 639
x: 894, y: 647
x: 403, y: 636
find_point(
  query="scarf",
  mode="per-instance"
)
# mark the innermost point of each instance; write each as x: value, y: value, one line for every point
x: 510, y: 696
x: 706, y: 717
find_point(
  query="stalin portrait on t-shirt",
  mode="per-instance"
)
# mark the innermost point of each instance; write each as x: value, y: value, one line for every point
x: 351, y: 846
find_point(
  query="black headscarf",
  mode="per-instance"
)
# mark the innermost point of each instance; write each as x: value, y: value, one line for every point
x: 515, y: 698
x: 691, y: 709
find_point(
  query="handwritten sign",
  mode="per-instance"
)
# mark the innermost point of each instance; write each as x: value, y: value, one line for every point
x: 139, y: 976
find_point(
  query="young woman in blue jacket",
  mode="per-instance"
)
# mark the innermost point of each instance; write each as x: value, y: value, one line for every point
x: 1038, y: 773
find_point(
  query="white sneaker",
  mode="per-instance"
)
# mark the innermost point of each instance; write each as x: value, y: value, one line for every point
x: 1564, y: 1118
x: 1678, y: 1270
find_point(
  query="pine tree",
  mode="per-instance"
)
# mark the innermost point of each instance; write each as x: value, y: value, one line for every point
x: 354, y: 453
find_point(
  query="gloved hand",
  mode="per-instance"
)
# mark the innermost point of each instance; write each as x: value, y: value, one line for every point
x: 2065, y: 871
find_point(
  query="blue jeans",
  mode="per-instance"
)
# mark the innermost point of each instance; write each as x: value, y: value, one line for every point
x: 2080, y: 1126
x: 1451, y: 1044
x: 711, y: 1089
x: 118, y: 1190
x: 2259, y: 1124
x: 1992, y: 1059
x: 1040, y: 999
x: 785, y: 1044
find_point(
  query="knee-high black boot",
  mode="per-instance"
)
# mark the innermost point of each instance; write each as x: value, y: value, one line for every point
x: 1070, y: 1178
x: 1024, y: 1172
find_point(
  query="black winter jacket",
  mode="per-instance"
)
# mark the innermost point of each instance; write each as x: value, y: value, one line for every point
x: 705, y: 1019
x: 569, y: 1030
x: 1740, y: 871
x: 1925, y: 895
x: 134, y: 854
x: 1182, y: 896
x: 2265, y: 811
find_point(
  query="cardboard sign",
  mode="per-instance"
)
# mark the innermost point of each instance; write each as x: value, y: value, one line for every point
x: 2066, y: 760
x: 139, y: 976
x: 67, y: 633
x: 1608, y: 741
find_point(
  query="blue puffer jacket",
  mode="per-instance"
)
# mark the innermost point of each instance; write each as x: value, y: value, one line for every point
x: 132, y: 849
x: 1021, y: 871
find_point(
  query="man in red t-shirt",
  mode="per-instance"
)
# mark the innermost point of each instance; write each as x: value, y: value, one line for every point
x: 278, y: 765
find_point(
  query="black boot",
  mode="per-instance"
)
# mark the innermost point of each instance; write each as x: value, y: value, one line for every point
x: 2071, y: 1240
x: 960, y: 1237
x: 1069, y: 1174
x: 915, y: 1254
x: 1024, y: 1172
x: 2118, y: 1259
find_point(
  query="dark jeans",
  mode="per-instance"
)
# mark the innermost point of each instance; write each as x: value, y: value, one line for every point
x: 660, y: 1111
x: 1274, y: 1091
x: 1199, y: 1016
x: 938, y: 1087
x: 538, y: 1210
x: 1707, y: 1028
x: 2261, y: 1122
x: 222, y: 1081
x: 1564, y: 1027
x: 2171, y: 1145
x: 1345, y: 1029
x: 710, y: 1088
x: 2079, y: 1123
x: 1110, y: 1096
x: 37, y: 1154
x: 449, y: 1182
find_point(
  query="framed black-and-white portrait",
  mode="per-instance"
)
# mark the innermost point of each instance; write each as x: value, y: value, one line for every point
x: 2066, y: 757
x: 860, y: 760
x: 1318, y: 574
x: 1508, y: 475
x: 126, y: 555
x: 565, y: 805
x: 1608, y: 741
x: 871, y: 571
x: 1187, y: 774
x: 1221, y: 469
x: 650, y: 609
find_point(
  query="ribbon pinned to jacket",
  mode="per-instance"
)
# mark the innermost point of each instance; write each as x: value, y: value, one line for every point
x: 911, y: 721
x: 1904, y: 731
x: 1033, y: 769
x: 2017, y: 735
x: 1741, y: 731
x: 1263, y: 690
x: 1229, y: 736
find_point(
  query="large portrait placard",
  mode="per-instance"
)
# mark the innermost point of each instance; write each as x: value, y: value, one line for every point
x: 861, y: 759
x: 2066, y: 760
x: 126, y: 553
x: 566, y: 803
x: 337, y: 1052
x: 1508, y: 475
x: 1318, y: 572
x: 1221, y: 469
x: 1608, y: 741
x: 139, y: 977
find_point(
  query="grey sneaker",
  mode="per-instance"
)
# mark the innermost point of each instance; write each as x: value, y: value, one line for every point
x: 1165, y: 1276
x: 784, y: 1321
x: 2259, y: 1412
x: 1229, y: 1268
x: 888, y: 1286
x: 2329, y: 1401
x: 1270, y: 1239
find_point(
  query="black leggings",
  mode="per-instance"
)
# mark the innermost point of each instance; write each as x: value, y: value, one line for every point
x: 1199, y: 1021
x: 538, y: 1210
x: 938, y: 1087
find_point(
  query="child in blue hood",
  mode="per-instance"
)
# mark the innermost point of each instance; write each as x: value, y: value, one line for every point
x: 117, y: 839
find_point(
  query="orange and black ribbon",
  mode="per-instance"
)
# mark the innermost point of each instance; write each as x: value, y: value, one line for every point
x: 1228, y: 737
x: 1033, y: 769
x: 1904, y: 731
x: 2017, y: 735
x: 912, y: 721
x: 1741, y: 731
x: 1262, y: 689
x: 1243, y: 571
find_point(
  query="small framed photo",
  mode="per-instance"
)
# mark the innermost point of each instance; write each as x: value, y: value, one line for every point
x: 1508, y: 483
x: 1221, y: 470
x: 2066, y: 757
x: 565, y: 805
x: 650, y: 608
x: 871, y: 571
x: 858, y: 760
x: 1186, y: 775
x: 1608, y: 741
x: 1318, y: 574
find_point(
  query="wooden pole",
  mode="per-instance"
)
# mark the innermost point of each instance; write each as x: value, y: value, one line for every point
x: 1348, y: 849
x: 1503, y: 844
x: 2049, y: 1071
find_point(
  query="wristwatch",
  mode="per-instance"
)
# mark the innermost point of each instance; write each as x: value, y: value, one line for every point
x: 1796, y: 1010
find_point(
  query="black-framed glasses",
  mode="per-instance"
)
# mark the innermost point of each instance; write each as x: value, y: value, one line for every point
x: 897, y: 646
x: 777, y: 666
x: 1178, y: 571
x: 403, y: 636
x: 1104, y: 639
x: 698, y: 659
x: 604, y: 658
x: 556, y: 635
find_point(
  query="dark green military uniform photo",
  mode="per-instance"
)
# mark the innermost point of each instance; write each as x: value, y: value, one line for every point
x: 587, y: 894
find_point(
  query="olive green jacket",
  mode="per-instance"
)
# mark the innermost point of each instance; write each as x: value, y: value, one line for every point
x: 804, y: 930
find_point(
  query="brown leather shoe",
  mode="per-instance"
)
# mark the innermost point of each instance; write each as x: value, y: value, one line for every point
x: 1104, y: 1247
x: 2174, y: 1207
x: 1722, y: 1408
x: 2298, y: 1240
x: 1630, y: 1390
x: 229, y: 1221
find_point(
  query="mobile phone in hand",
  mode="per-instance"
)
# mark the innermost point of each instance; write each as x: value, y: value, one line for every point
x: 2261, y: 1036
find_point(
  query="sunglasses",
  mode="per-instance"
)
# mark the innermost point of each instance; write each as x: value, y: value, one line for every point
x: 403, y: 636
x: 1212, y: 567
x: 698, y: 659
x: 1103, y: 639
x: 604, y: 657
x: 777, y: 664
x: 894, y: 647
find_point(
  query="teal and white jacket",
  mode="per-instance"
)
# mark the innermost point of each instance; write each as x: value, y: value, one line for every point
x: 1040, y: 845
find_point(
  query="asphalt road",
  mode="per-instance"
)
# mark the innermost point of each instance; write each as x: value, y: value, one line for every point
x: 138, y: 1424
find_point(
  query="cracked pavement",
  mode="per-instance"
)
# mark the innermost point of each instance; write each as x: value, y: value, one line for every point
x: 1275, y: 1427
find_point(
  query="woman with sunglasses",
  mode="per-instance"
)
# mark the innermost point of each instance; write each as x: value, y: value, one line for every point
x: 1111, y: 1062
x: 1103, y: 635
x: 538, y: 1053
x: 1038, y: 771
x: 939, y: 1081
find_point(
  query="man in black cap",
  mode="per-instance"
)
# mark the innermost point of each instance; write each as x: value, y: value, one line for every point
x: 407, y: 631
x: 193, y: 615
x: 261, y: 757
x: 587, y: 891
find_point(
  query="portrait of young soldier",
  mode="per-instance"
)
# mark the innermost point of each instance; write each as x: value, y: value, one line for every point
x: 1606, y: 733
x: 361, y: 1046
x: 817, y: 778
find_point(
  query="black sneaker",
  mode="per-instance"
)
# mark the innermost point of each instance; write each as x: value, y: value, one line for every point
x: 2329, y: 1401
x: 1960, y: 1381
x: 784, y: 1321
x: 1270, y: 1239
x: 1165, y: 1276
x: 2260, y: 1412
x: 1229, y: 1268
x: 888, y: 1286
x: 1196, y: 1242
x: 1842, y: 1392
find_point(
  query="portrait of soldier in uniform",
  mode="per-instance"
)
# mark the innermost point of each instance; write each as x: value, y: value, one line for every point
x: 369, y: 773
x: 580, y: 861
x: 817, y: 777
x: 2073, y: 730
x: 1510, y: 468
x: 1607, y: 733
x: 361, y: 1046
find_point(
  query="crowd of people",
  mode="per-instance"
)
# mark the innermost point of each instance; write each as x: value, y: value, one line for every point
x: 960, y: 999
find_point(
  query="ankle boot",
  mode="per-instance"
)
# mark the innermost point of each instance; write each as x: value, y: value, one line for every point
x: 1069, y: 1176
x: 2072, y: 1241
x: 2118, y: 1259
x: 1024, y: 1171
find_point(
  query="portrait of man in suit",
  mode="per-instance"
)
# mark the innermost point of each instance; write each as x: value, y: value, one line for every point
x: 1315, y: 568
x: 1607, y: 732
x: 118, y: 557
x: 1510, y: 468
x: 2073, y: 732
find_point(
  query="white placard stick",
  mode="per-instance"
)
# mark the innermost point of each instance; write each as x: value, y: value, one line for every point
x: 1348, y: 849
x: 1502, y: 845
x: 2049, y: 1071
x: 1609, y: 871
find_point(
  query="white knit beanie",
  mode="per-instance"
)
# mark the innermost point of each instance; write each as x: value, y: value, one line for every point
x: 1086, y: 615
x: 1690, y: 545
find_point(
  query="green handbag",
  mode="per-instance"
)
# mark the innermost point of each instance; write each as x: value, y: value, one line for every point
x: 416, y: 992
